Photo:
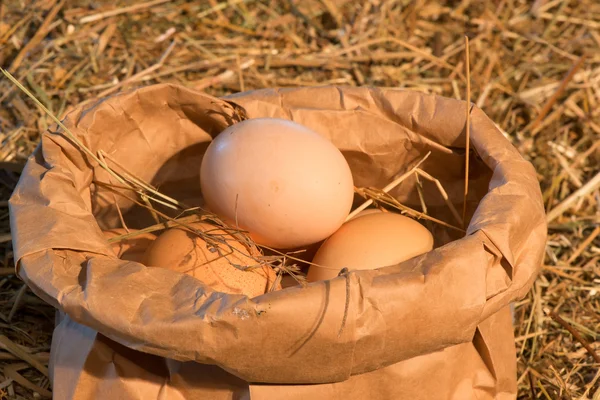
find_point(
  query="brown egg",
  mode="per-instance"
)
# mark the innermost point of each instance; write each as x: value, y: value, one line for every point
x: 372, y: 241
x: 285, y: 184
x: 181, y: 250
x: 131, y: 249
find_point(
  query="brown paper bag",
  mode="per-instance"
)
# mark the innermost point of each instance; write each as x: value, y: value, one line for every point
x: 87, y: 365
x: 436, y: 326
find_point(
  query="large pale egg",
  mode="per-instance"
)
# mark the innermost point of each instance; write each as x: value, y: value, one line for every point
x: 219, y: 266
x: 133, y: 248
x: 370, y: 241
x: 282, y: 182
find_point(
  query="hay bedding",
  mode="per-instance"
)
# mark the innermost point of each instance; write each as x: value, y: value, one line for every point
x: 527, y: 73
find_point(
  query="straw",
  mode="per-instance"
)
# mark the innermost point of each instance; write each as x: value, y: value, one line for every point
x: 119, y: 11
x: 388, y: 187
x: 576, y: 335
x: 467, y: 128
x: 522, y: 59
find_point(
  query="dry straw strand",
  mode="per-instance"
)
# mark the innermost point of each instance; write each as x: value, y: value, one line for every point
x: 119, y: 11
x: 583, y: 191
x: 561, y: 88
x: 39, y: 35
x: 128, y: 175
x: 390, y: 186
x: 467, y: 128
x: 14, y: 349
x: 385, y: 198
x: 576, y: 335
x: 442, y: 191
x: 70, y: 135
x: 584, y: 245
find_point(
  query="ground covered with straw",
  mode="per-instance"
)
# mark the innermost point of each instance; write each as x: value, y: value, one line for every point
x: 535, y: 70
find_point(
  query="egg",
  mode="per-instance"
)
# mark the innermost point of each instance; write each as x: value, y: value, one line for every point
x: 280, y: 181
x: 181, y: 250
x: 371, y: 241
x: 131, y: 249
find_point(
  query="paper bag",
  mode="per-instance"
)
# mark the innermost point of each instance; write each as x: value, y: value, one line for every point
x: 435, y: 326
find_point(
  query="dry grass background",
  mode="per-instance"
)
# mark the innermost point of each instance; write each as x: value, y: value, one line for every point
x: 535, y: 69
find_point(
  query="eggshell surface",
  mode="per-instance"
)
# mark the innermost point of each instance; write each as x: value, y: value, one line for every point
x: 181, y: 250
x: 282, y: 182
x: 371, y: 241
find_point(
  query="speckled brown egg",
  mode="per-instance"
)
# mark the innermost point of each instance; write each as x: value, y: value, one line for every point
x: 182, y: 250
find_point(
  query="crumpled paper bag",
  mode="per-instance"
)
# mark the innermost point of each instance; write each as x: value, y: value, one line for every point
x: 435, y: 326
